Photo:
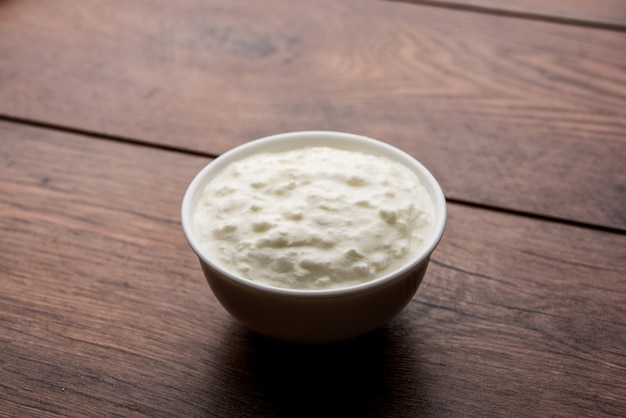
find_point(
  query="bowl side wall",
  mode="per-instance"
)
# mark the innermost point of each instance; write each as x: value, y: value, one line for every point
x: 319, y: 318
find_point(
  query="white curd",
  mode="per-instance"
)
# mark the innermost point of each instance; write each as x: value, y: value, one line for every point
x: 313, y: 218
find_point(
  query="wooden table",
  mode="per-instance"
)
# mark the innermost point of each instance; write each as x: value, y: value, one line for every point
x: 108, y: 109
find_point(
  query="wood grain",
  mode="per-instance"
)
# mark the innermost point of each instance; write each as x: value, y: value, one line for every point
x: 104, y: 312
x: 510, y: 113
x: 610, y: 13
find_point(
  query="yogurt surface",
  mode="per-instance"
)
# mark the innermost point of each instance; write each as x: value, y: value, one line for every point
x: 314, y: 217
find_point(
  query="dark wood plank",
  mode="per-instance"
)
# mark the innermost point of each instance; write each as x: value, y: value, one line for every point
x: 104, y: 312
x: 611, y: 13
x: 516, y: 114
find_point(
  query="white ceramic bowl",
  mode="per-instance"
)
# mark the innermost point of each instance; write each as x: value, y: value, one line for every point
x: 314, y: 316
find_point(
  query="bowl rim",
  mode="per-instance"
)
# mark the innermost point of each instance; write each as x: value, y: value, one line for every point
x: 299, y: 139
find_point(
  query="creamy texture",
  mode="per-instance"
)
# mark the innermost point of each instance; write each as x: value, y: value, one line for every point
x: 313, y: 218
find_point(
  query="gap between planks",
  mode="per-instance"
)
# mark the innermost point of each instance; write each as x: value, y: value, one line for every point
x: 471, y: 8
x: 98, y: 135
x: 182, y: 150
